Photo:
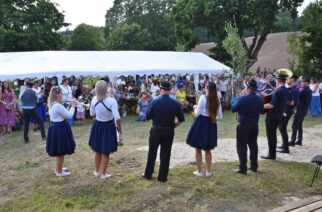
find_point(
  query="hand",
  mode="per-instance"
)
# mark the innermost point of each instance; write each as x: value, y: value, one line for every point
x: 119, y: 129
x: 194, y: 107
x: 73, y: 103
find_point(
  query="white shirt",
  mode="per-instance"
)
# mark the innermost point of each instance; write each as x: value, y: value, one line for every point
x: 201, y: 108
x: 38, y: 91
x: 80, y: 107
x: 101, y: 113
x: 154, y: 89
x: 120, y: 82
x: 320, y: 87
x: 223, y: 85
x: 67, y: 94
x: 59, y: 113
x: 315, y: 93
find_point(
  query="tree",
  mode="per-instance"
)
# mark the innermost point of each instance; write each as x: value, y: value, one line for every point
x: 87, y: 37
x: 129, y: 37
x: 234, y: 46
x: 294, y: 44
x: 151, y: 15
x: 310, y: 55
x: 255, y: 16
x: 30, y: 25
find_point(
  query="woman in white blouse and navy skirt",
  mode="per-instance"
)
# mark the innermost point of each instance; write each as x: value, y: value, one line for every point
x: 60, y: 140
x: 103, y: 137
x: 203, y: 132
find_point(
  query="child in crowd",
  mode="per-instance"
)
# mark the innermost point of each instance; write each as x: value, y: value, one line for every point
x: 80, y: 114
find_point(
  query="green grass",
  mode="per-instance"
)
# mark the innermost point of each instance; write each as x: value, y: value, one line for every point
x: 27, y: 182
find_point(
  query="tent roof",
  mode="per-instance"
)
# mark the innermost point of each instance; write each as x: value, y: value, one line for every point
x: 21, y: 65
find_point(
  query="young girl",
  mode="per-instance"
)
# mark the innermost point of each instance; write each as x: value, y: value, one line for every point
x: 203, y: 132
x: 80, y: 114
x: 60, y: 140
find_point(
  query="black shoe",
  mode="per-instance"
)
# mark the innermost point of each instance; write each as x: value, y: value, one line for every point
x: 298, y: 143
x: 238, y: 171
x: 162, y: 181
x: 281, y: 147
x: 267, y: 157
x: 26, y: 141
x: 143, y: 175
x: 291, y: 143
x: 283, y: 151
x: 252, y: 169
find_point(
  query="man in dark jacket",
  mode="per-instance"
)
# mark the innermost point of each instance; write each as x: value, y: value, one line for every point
x: 163, y: 112
x: 302, y: 108
x: 248, y: 108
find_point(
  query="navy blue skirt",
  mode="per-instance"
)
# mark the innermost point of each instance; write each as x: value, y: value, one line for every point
x: 60, y: 140
x: 103, y: 137
x: 202, y: 134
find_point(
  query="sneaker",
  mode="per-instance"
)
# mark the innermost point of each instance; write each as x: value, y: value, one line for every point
x: 64, y: 169
x: 97, y: 174
x: 208, y: 174
x: 197, y: 173
x: 63, y: 174
x: 105, y: 176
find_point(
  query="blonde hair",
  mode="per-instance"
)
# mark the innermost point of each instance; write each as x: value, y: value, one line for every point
x: 101, y: 90
x: 54, y: 91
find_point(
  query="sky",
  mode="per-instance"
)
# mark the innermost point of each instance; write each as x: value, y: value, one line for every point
x: 93, y: 12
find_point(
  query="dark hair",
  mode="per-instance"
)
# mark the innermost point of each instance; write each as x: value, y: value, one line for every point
x: 3, y: 88
x: 212, y: 101
x: 314, y: 79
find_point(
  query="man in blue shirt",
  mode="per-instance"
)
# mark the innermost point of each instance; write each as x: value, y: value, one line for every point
x: 276, y: 107
x: 163, y: 112
x: 305, y: 96
x: 29, y: 100
x: 293, y: 99
x: 248, y: 108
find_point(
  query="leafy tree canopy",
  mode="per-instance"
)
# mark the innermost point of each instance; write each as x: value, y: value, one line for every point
x: 253, y: 16
x: 87, y: 37
x: 152, y: 16
x: 29, y: 25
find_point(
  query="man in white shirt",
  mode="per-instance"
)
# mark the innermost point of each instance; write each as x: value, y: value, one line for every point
x: 223, y: 87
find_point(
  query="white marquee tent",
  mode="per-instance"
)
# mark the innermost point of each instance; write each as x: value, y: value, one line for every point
x: 20, y: 65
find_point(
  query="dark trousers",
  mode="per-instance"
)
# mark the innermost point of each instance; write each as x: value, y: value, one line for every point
x: 162, y: 136
x: 283, y: 129
x: 247, y: 135
x: 32, y: 113
x: 297, y: 128
x: 272, y: 122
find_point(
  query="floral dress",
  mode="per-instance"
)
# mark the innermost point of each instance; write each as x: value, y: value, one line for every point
x: 7, y: 117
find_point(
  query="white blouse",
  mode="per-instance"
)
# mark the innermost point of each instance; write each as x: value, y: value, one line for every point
x: 316, y: 92
x: 67, y: 94
x: 201, y: 108
x: 59, y: 113
x: 101, y: 113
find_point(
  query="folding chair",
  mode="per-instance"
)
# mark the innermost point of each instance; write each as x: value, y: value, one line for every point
x: 318, y: 160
